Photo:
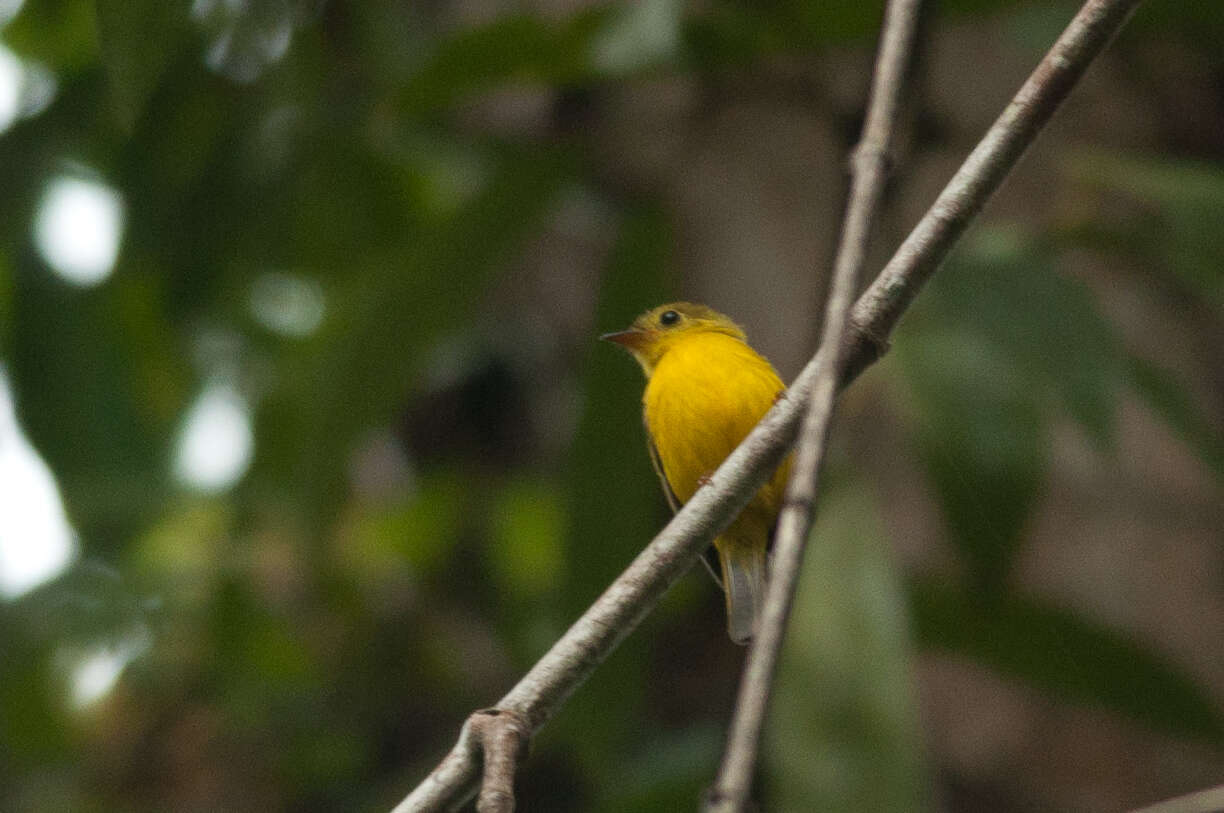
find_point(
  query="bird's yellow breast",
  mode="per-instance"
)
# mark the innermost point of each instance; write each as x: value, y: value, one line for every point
x: 703, y: 397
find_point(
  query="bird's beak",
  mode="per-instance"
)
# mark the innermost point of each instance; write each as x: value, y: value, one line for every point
x: 632, y: 339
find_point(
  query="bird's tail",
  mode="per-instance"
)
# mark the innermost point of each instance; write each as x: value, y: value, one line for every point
x: 743, y: 572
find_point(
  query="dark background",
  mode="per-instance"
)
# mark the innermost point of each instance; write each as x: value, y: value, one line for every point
x: 1014, y: 598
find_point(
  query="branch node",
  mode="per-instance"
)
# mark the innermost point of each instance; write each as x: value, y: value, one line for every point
x: 879, y: 343
x: 503, y: 737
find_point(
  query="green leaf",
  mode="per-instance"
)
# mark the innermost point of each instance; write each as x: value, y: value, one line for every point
x: 642, y: 35
x: 999, y: 344
x: 1178, y: 228
x: 33, y: 724
x: 728, y: 33
x: 413, y: 533
x: 60, y: 34
x: 1003, y: 285
x: 1198, y: 22
x: 983, y: 440
x: 1172, y: 403
x: 517, y: 48
x: 526, y: 550
x: 669, y: 773
x: 6, y: 303
x: 843, y: 734
x: 90, y: 604
x: 137, y: 38
x: 1072, y: 658
x: 113, y: 351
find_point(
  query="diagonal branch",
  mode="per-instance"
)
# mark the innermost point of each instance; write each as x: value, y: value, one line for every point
x: 732, y: 788
x: 542, y: 691
x: 1210, y: 800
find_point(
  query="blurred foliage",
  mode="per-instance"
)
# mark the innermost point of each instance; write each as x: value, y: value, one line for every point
x: 447, y: 470
x: 1072, y: 658
x: 986, y: 384
x: 843, y: 728
x: 986, y: 388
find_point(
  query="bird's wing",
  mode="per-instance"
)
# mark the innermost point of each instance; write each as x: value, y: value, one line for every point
x: 710, y: 557
x: 657, y: 462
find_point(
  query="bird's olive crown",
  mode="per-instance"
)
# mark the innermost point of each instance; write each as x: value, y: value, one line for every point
x: 681, y: 315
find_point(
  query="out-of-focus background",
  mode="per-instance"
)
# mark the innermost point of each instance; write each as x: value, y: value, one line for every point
x: 307, y: 448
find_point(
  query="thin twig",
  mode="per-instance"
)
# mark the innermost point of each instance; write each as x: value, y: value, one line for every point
x: 732, y: 788
x: 1210, y: 800
x: 636, y: 591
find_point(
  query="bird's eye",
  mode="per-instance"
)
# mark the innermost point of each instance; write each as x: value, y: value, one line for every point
x: 668, y: 318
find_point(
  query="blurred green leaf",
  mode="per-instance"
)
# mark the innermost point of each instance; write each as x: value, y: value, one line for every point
x: 33, y: 730
x: 178, y: 557
x: 1154, y: 179
x: 670, y: 773
x: 1172, y: 403
x: 417, y: 530
x: 1034, y: 25
x: 983, y: 440
x: 6, y: 304
x: 91, y: 604
x: 999, y: 341
x: 843, y: 734
x: 1198, y: 21
x: 247, y: 37
x: 60, y: 34
x: 258, y: 657
x: 97, y: 402
x: 137, y: 38
x: 517, y: 48
x: 728, y: 32
x: 1179, y: 229
x: 1069, y: 656
x: 1003, y: 285
x: 640, y: 36
x: 525, y: 547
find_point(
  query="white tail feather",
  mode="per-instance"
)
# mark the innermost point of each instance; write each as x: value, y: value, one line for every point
x: 743, y: 569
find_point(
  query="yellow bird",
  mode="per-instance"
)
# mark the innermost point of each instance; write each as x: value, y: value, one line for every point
x: 705, y: 391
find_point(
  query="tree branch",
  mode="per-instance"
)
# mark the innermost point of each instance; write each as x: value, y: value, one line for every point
x: 1210, y: 800
x: 733, y: 786
x: 636, y: 591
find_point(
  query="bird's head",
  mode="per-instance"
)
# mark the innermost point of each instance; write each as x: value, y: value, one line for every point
x: 658, y: 330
